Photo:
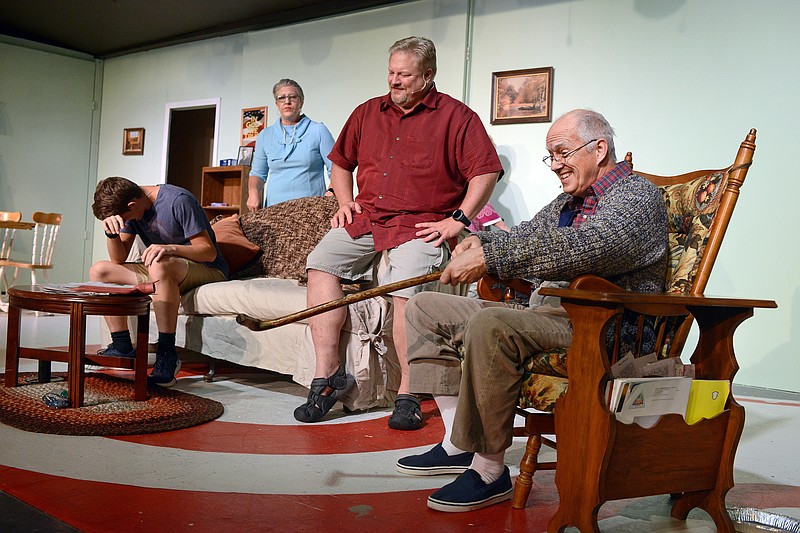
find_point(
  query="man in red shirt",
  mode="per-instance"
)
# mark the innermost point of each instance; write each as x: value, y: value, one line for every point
x: 425, y: 167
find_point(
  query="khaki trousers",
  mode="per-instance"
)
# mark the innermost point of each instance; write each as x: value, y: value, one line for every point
x: 477, y: 350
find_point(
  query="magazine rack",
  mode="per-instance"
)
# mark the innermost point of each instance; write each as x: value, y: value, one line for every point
x: 600, y: 458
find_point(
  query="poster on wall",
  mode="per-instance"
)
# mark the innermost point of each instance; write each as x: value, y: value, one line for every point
x: 254, y: 119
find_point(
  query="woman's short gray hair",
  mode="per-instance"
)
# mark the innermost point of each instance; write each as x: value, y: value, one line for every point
x: 286, y: 82
x: 421, y: 48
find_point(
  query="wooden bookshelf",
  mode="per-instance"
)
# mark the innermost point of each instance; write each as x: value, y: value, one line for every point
x: 224, y: 185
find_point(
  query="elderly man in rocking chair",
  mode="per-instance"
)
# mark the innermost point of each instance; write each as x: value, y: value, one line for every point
x: 609, y: 222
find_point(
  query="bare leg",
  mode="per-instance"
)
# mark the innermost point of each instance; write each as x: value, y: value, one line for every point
x: 169, y: 273
x: 330, y: 381
x: 407, y: 414
x: 400, y: 341
x: 167, y: 299
x: 326, y: 328
x: 109, y: 272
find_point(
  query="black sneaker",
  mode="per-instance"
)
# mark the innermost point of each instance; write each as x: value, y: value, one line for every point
x: 113, y: 352
x: 165, y: 370
x: 434, y: 462
x: 468, y: 492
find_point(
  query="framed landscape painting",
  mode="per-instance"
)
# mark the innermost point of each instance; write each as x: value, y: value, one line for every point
x: 520, y: 96
x: 133, y: 141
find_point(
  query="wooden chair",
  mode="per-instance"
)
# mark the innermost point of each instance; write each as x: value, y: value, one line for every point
x: 12, y: 216
x: 45, y: 233
x: 9, y: 224
x: 8, y: 232
x: 699, y: 207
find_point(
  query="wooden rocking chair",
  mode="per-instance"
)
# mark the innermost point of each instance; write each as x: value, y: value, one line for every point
x: 699, y: 208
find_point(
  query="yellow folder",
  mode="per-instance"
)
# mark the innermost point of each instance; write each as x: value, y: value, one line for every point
x: 707, y: 399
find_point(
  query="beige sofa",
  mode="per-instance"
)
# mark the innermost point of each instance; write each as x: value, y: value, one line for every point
x: 207, y: 325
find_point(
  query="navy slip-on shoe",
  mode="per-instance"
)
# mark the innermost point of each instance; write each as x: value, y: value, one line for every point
x: 468, y: 492
x: 434, y: 462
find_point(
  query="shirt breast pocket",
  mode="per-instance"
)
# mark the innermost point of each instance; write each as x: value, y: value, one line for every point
x: 418, y: 152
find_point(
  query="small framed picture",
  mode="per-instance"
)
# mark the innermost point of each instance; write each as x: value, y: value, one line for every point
x: 254, y: 119
x: 133, y: 141
x: 520, y: 96
x: 245, y: 155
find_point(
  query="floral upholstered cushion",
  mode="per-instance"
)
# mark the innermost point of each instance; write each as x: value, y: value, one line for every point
x: 545, y: 379
x: 690, y: 212
x: 551, y: 363
x: 541, y: 392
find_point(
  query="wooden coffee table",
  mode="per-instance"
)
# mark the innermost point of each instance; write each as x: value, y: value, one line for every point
x: 78, y: 306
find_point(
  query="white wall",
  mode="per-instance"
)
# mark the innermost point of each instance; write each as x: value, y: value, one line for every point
x: 341, y: 62
x: 46, y: 140
x: 682, y: 81
x: 136, y: 90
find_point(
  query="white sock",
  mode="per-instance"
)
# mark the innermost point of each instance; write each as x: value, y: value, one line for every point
x: 490, y: 466
x: 447, y: 408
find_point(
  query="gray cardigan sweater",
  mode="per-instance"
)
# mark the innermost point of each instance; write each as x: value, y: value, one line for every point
x: 625, y: 241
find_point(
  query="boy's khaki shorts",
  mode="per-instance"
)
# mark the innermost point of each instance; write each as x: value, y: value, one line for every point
x: 198, y: 274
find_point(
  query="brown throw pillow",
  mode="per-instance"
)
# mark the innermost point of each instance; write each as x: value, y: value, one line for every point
x: 233, y: 245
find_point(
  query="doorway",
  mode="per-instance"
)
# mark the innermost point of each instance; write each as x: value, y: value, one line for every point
x: 190, y: 142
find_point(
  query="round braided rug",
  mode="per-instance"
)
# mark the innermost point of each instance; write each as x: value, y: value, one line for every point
x: 108, y: 408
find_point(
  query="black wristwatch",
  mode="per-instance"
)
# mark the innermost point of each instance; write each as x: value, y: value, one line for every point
x: 459, y: 215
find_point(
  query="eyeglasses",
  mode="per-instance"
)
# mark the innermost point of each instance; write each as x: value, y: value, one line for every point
x: 287, y: 98
x: 550, y: 159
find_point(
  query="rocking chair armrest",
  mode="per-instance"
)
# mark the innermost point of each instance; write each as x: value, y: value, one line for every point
x: 494, y: 289
x: 652, y: 303
x: 590, y: 282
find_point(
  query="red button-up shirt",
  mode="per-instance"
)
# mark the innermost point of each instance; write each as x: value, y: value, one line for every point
x: 412, y: 167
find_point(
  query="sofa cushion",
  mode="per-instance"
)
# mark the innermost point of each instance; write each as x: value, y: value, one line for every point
x: 233, y: 245
x: 286, y: 232
x: 262, y: 298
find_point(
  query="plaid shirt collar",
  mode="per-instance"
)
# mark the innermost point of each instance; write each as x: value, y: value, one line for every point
x: 587, y: 206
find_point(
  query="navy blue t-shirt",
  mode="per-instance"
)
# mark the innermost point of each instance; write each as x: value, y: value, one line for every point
x: 175, y: 217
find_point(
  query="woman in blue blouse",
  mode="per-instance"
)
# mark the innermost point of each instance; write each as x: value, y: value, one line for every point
x: 291, y: 155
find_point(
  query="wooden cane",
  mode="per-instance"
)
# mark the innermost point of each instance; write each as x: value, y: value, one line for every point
x: 261, y: 325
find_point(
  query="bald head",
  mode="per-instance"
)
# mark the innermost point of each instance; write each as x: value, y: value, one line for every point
x: 581, y: 148
x: 590, y: 125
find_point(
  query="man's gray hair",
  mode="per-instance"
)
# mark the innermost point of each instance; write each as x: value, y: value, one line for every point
x: 286, y: 82
x: 593, y: 125
x: 421, y: 48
